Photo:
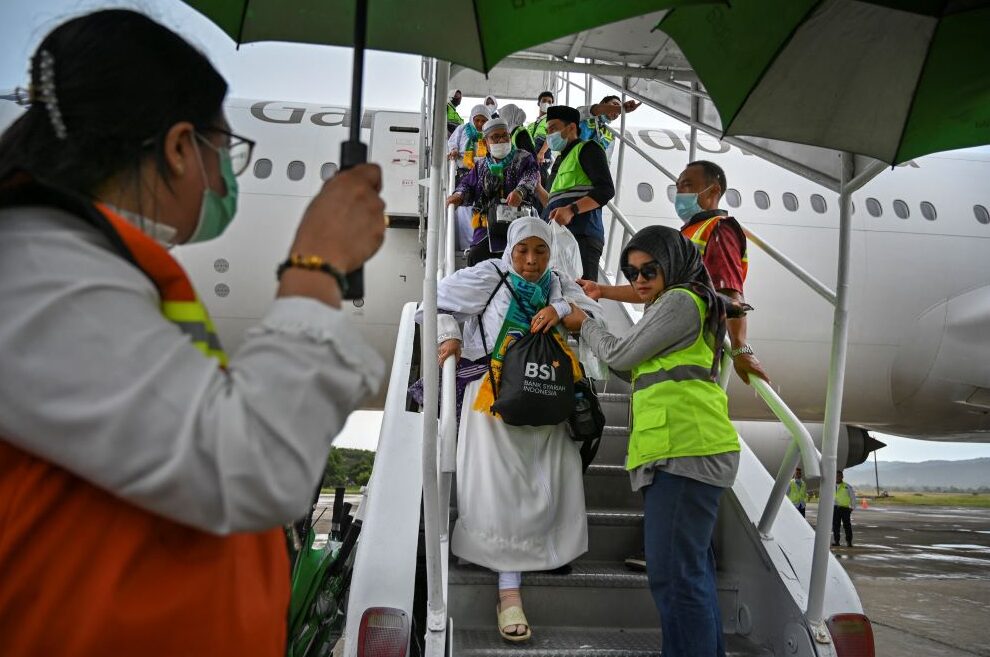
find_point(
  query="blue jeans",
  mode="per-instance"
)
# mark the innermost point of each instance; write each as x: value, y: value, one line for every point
x: 678, y: 526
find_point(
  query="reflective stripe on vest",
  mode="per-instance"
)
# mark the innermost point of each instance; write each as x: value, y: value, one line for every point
x: 180, y: 305
x: 677, y: 409
x: 701, y: 232
x: 842, y: 495
x: 797, y: 494
x: 571, y: 181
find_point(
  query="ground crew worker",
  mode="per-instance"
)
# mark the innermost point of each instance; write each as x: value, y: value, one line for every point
x: 580, y: 184
x: 538, y: 131
x: 722, y: 243
x: 797, y: 492
x: 683, y: 451
x: 845, y: 502
x: 124, y: 427
x: 595, y: 120
x: 453, y: 117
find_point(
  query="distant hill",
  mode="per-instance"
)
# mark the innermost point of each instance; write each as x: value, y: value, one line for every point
x: 973, y: 474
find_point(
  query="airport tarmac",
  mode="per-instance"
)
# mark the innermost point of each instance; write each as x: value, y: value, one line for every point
x: 923, y: 574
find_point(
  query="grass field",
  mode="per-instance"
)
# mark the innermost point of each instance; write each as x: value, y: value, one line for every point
x: 908, y: 498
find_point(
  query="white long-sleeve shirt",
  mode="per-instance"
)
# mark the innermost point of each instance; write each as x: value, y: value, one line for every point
x: 94, y: 379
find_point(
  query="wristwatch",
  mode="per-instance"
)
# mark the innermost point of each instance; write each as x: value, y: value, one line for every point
x: 574, y: 208
x: 745, y: 349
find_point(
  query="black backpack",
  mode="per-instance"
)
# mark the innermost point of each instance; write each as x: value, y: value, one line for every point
x: 537, y: 384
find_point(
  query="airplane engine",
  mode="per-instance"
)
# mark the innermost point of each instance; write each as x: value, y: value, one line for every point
x: 940, y: 379
x: 769, y: 441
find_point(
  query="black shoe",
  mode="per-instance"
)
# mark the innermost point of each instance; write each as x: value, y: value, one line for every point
x: 849, y: 543
x: 637, y: 562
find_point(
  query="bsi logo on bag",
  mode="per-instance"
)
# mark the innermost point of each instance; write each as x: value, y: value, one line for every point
x: 542, y: 372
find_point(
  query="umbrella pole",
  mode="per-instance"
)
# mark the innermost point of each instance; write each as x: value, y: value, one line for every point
x: 352, y: 151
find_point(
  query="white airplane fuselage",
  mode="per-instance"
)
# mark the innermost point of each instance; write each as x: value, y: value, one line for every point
x: 919, y: 340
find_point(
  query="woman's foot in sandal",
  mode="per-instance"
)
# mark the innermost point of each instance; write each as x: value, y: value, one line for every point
x: 512, y: 623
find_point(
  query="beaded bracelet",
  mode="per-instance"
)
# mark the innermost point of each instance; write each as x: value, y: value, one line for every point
x: 312, y: 263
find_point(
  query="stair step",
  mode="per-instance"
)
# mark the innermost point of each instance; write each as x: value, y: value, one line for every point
x: 607, y: 470
x: 615, y: 517
x: 579, y: 642
x: 586, y: 574
x: 616, y: 430
x: 613, y: 397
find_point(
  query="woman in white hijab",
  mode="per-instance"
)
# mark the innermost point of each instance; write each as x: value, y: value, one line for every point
x: 520, y: 492
x: 467, y: 145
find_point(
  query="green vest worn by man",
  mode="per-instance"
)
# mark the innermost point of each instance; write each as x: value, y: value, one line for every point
x: 798, y: 492
x: 453, y: 116
x: 538, y: 128
x: 677, y: 409
x: 571, y: 180
x: 843, y: 496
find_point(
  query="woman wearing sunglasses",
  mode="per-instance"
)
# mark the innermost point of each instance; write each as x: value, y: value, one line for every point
x: 683, y: 451
x: 144, y: 475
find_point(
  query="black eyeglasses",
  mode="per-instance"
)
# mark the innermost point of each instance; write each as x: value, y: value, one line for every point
x: 240, y: 149
x: 649, y: 271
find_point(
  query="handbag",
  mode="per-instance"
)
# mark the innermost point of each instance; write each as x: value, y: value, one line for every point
x: 587, y: 422
x: 537, y: 385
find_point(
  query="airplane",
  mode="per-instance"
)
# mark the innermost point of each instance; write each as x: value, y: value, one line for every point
x: 919, y: 353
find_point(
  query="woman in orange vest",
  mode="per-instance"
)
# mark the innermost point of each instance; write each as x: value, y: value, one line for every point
x: 143, y: 476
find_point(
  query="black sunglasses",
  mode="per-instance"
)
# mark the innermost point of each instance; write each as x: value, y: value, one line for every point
x: 649, y: 271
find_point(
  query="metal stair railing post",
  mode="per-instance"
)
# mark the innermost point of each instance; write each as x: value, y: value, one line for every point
x: 450, y: 241
x: 436, y: 620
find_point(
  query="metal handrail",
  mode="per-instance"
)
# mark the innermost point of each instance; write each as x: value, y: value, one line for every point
x: 450, y: 227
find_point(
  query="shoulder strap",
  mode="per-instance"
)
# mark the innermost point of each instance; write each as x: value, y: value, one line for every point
x: 503, y: 280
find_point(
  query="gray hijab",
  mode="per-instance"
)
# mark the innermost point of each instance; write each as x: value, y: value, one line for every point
x: 682, y: 267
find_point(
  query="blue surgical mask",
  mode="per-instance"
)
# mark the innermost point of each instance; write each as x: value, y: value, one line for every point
x: 557, y: 141
x: 686, y: 204
x: 216, y: 212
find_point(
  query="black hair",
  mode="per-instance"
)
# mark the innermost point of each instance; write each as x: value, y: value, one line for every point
x: 120, y: 81
x: 713, y: 174
x: 544, y: 94
x: 608, y: 98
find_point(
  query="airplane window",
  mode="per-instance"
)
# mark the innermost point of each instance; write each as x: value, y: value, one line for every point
x: 296, y: 170
x: 873, y: 207
x: 221, y: 289
x: 645, y: 192
x: 263, y: 168
x: 790, y: 202
x: 981, y: 214
x: 901, y: 209
x: 328, y: 170
x: 671, y: 191
x: 928, y: 211
x: 762, y: 199
x: 818, y: 203
x: 733, y: 197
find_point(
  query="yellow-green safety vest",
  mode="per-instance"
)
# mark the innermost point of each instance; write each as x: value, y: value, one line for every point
x: 843, y: 497
x: 677, y: 409
x: 798, y: 492
x: 453, y: 116
x: 571, y: 182
x: 538, y: 128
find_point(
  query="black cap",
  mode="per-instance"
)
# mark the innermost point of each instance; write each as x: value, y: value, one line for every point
x: 564, y: 113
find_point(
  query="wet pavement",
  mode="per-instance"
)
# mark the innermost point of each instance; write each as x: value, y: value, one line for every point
x: 923, y: 574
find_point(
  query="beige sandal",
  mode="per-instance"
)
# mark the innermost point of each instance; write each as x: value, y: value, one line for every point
x: 509, y: 617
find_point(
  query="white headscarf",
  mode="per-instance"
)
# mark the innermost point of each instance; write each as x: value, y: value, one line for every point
x: 522, y: 229
x: 494, y: 124
x: 494, y: 101
x: 514, y: 116
x: 480, y: 110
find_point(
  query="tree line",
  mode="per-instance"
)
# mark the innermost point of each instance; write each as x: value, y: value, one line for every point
x: 348, y: 467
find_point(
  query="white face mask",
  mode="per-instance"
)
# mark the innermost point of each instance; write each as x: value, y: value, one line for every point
x: 499, y: 151
x: 491, y: 106
x: 544, y: 107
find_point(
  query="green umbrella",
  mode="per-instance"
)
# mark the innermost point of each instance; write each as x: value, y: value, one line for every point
x: 891, y: 79
x: 476, y: 34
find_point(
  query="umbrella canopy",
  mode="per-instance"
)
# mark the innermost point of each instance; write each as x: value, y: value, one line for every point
x: 892, y: 79
x: 474, y: 34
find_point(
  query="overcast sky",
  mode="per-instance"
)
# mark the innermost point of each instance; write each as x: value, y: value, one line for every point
x: 318, y: 74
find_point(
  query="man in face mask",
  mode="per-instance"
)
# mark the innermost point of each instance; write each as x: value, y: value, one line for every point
x: 596, y: 118
x: 580, y: 184
x: 506, y: 173
x: 722, y: 243
x: 453, y: 117
x: 538, y: 131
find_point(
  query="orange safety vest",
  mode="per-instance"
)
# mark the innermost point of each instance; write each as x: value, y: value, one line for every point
x: 86, y: 574
x: 701, y: 231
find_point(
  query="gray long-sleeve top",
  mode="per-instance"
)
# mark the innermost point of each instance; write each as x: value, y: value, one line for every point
x: 670, y: 324
x: 94, y: 379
